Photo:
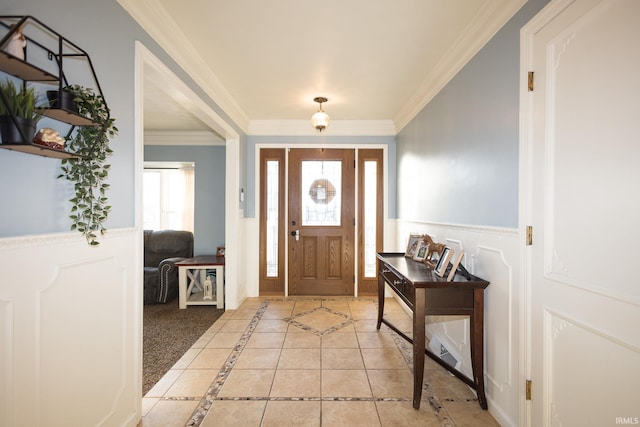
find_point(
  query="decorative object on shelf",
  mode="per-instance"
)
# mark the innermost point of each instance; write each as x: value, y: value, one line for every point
x: 62, y: 99
x: 18, y: 113
x: 220, y: 251
x: 17, y: 43
x: 49, y: 138
x: 320, y: 120
x: 89, y: 172
x: 422, y: 251
x: 443, y: 262
x: 413, y: 244
x: 434, y: 254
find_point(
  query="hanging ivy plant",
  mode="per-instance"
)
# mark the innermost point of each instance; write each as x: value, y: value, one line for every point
x: 89, y: 173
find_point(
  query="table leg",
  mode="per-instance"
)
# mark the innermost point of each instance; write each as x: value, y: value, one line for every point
x: 182, y: 286
x: 381, y: 284
x: 219, y: 287
x: 418, y: 345
x: 477, y: 345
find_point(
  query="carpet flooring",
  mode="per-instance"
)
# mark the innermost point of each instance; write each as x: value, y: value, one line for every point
x: 168, y: 333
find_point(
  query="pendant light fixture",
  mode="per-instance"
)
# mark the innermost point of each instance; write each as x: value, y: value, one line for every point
x: 320, y: 120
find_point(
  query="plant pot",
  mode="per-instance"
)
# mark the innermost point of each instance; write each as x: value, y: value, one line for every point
x: 62, y: 100
x: 11, y: 133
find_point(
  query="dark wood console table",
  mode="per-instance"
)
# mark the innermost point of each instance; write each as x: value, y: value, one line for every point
x: 428, y: 294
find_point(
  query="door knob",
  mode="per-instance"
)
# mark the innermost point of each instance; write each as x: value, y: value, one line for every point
x: 296, y: 234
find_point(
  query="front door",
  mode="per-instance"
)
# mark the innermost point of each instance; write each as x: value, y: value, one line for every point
x: 584, y: 205
x: 321, y: 221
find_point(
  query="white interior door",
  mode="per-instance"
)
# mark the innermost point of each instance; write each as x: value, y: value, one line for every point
x: 584, y: 206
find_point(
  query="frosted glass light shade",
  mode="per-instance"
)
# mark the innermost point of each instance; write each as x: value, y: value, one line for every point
x: 320, y: 120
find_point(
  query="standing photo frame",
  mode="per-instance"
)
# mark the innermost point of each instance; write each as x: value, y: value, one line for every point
x: 454, y: 264
x: 413, y: 245
x: 443, y: 262
x: 421, y: 253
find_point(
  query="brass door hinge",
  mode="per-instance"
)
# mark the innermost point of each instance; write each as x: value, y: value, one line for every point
x: 527, y: 387
x: 529, y: 235
x: 530, y: 81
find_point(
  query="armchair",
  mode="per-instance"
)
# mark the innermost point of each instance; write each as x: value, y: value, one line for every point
x: 162, y: 249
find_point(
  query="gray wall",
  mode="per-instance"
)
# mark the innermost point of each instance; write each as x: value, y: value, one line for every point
x: 318, y: 141
x: 209, y: 189
x: 458, y: 158
x: 32, y: 200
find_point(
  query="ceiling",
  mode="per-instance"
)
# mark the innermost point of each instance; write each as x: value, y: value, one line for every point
x: 263, y: 62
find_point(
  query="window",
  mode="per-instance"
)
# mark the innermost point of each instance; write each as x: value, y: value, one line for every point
x: 321, y: 192
x: 370, y: 217
x: 272, y: 220
x: 168, y: 196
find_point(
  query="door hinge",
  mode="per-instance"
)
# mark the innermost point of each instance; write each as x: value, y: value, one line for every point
x: 527, y: 389
x: 530, y: 81
x: 529, y: 235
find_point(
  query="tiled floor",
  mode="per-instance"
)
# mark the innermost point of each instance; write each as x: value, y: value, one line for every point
x: 307, y: 362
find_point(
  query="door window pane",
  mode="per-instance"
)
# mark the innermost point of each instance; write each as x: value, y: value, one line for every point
x: 370, y: 215
x: 321, y: 192
x: 272, y: 218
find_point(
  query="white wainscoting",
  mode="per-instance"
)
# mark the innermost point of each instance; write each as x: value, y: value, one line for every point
x: 70, y: 331
x: 492, y: 254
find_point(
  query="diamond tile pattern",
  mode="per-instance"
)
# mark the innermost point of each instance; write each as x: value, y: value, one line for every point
x: 309, y: 361
x: 320, y: 321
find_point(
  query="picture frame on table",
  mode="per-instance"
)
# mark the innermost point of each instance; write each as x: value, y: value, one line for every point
x: 421, y: 252
x: 443, y: 262
x: 412, y: 245
x: 455, y: 262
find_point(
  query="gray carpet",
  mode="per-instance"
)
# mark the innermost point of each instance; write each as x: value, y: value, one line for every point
x: 168, y: 333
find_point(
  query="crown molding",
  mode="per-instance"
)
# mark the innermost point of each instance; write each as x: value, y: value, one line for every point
x: 154, y: 19
x: 336, y: 128
x: 176, y: 137
x: 492, y: 16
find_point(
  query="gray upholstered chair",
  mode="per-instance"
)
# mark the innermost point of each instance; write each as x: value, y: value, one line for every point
x: 162, y: 249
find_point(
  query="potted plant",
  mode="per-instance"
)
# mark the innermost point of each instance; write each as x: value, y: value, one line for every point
x: 63, y: 99
x: 89, y: 172
x: 18, y: 113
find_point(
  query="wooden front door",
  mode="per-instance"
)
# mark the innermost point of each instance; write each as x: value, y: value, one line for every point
x: 321, y: 221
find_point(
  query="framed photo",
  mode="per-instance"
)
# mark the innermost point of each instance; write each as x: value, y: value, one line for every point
x: 454, y: 264
x: 443, y: 262
x: 220, y: 251
x: 422, y: 252
x: 412, y: 245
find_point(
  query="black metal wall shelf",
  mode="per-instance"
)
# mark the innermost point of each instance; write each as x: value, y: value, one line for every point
x: 28, y: 72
